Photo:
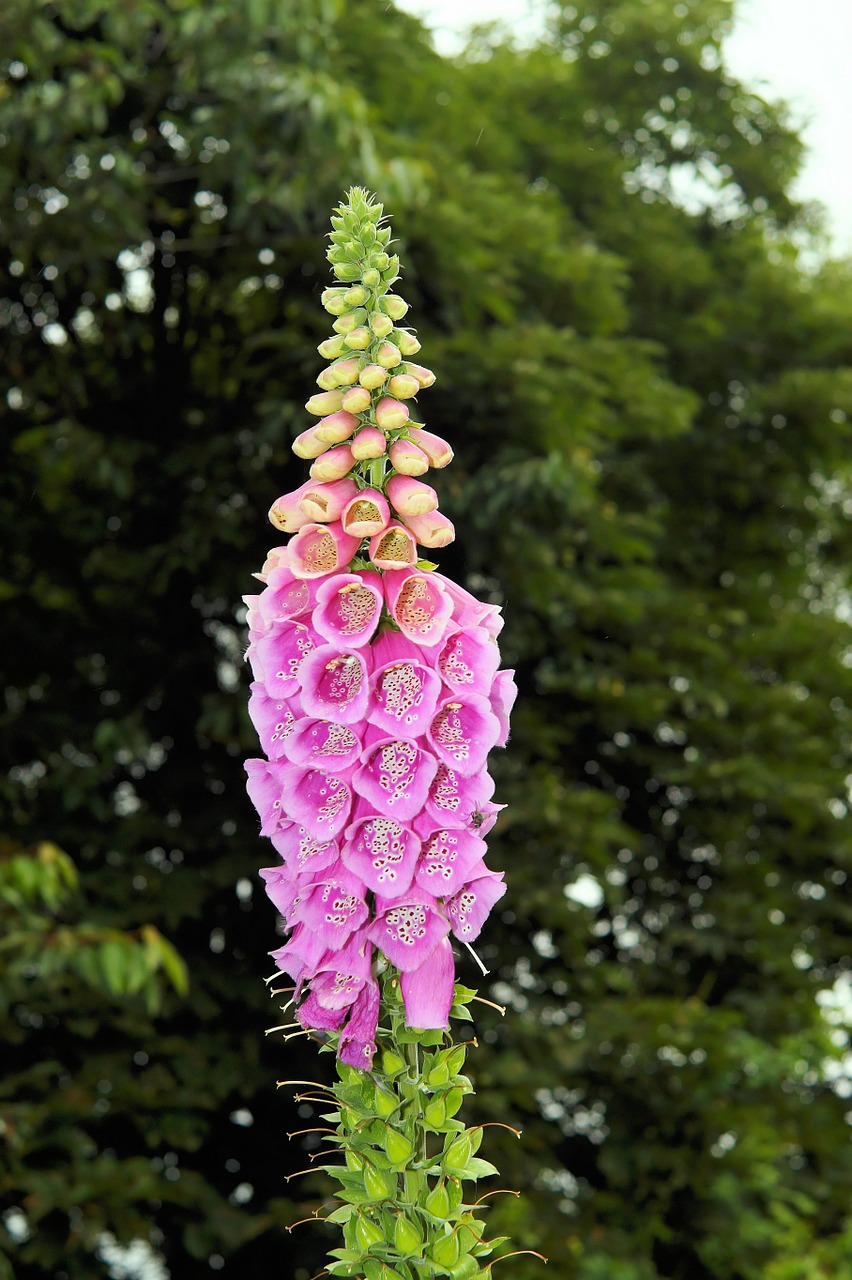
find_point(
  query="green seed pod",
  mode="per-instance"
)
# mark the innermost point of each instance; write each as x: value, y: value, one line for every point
x: 386, y: 1103
x: 466, y: 1269
x: 435, y: 1113
x: 439, y: 1074
x: 406, y: 1237
x: 379, y: 1185
x: 397, y: 1146
x: 452, y: 1101
x: 455, y: 1061
x: 392, y: 1063
x: 354, y: 1161
x: 446, y: 1251
x: 457, y: 1155
x: 368, y: 1233
x: 438, y: 1202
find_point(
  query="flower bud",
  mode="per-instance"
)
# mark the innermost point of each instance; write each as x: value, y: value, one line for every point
x: 348, y: 271
x: 393, y: 305
x: 393, y: 549
x: 390, y: 414
x: 371, y: 277
x: 388, y: 355
x: 351, y: 320
x: 366, y: 514
x: 370, y: 442
x: 325, y: 402
x: 406, y: 341
x: 411, y: 497
x: 432, y: 529
x: 333, y: 300
x: 308, y: 444
x: 336, y: 428
x: 327, y: 380
x: 356, y: 296
x: 403, y: 386
x: 435, y: 447
x: 323, y: 503
x: 357, y: 399
x: 423, y: 375
x: 332, y: 348
x: 359, y: 339
x: 408, y: 459
x: 334, y: 464
x: 381, y: 324
x: 345, y: 372
x: 372, y: 376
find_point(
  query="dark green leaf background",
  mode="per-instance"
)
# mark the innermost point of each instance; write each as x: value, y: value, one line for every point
x: 650, y: 409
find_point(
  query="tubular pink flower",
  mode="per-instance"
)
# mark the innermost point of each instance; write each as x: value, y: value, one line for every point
x: 265, y: 784
x: 455, y: 798
x: 447, y: 860
x: 407, y: 930
x: 467, y: 910
x: 462, y: 732
x: 323, y: 744
x: 300, y: 956
x: 391, y: 414
x: 432, y: 530
x: 334, y: 907
x: 436, y: 449
x: 280, y: 656
x: 419, y: 605
x: 470, y: 612
x: 427, y: 991
x: 284, y: 597
x: 468, y: 660
x: 395, y: 776
x: 324, y: 503
x: 304, y: 854
x: 319, y: 801
x: 404, y: 691
x: 336, y: 428
x: 285, y: 512
x: 334, y: 464
x: 274, y: 720
x: 341, y: 975
x: 335, y: 684
x: 504, y: 691
x: 407, y: 458
x: 370, y: 442
x: 348, y: 608
x: 358, y: 1040
x: 319, y: 549
x: 382, y: 853
x: 411, y: 497
x: 366, y: 514
x: 395, y: 548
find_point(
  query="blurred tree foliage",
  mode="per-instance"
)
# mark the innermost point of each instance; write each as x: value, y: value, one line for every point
x: 646, y: 372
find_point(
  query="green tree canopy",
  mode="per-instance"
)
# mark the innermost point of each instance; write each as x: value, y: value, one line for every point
x: 648, y: 384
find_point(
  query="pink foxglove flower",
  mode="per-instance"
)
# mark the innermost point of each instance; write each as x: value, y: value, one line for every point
x: 377, y: 697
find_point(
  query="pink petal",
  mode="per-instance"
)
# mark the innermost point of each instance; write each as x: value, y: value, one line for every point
x: 447, y: 859
x: 303, y: 853
x: 504, y: 691
x: 357, y: 1043
x: 281, y: 654
x: 274, y: 719
x: 333, y: 908
x: 427, y: 992
x: 265, y: 786
x: 404, y: 696
x: 457, y: 798
x: 323, y: 744
x: 468, y: 660
x: 419, y: 605
x: 320, y: 801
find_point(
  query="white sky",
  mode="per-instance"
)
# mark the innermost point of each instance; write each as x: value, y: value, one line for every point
x: 790, y: 49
